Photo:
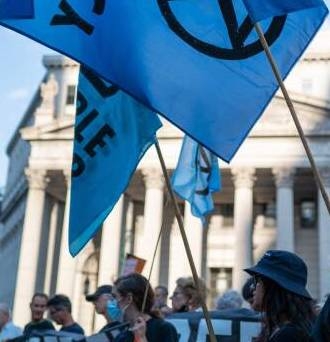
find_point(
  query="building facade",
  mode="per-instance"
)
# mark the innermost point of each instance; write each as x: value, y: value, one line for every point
x: 269, y: 199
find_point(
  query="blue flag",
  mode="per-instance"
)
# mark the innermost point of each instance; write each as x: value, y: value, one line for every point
x: 112, y: 132
x: 199, y: 63
x: 260, y: 10
x: 196, y: 177
x: 16, y: 9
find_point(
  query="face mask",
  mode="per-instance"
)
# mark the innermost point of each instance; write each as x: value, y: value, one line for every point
x: 114, y: 311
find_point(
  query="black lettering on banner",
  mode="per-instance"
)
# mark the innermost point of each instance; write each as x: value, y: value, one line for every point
x: 97, y: 140
x: 78, y: 165
x: 204, y: 169
x: 99, y: 6
x: 84, y: 123
x: 103, y: 89
x: 81, y: 103
x: 71, y: 18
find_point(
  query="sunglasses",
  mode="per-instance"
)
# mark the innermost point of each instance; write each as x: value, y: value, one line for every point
x: 256, y: 280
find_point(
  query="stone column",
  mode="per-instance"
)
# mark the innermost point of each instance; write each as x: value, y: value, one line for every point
x: 110, y: 245
x: 243, y: 226
x: 153, y: 218
x: 284, y: 208
x: 51, y: 245
x: 324, y: 236
x: 110, y: 252
x: 67, y: 264
x: 30, y: 243
x: 194, y: 231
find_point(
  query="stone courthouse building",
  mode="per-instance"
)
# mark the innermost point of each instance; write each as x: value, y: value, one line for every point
x: 269, y: 199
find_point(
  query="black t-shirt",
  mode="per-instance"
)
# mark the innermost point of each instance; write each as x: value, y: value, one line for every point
x: 289, y: 332
x: 158, y: 330
x: 109, y: 326
x: 321, y: 331
x: 74, y: 328
x: 42, y: 325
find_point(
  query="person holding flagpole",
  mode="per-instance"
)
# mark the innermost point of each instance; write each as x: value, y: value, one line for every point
x: 134, y: 297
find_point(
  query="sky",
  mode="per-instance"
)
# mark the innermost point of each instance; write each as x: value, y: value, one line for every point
x: 21, y: 71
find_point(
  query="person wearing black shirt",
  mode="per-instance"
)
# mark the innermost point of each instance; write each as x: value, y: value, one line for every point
x: 73, y: 328
x: 280, y: 279
x: 321, y: 330
x: 38, y: 307
x: 60, y: 311
x: 145, y: 325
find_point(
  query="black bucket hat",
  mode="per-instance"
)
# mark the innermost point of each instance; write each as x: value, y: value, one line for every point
x: 284, y: 268
x: 99, y: 291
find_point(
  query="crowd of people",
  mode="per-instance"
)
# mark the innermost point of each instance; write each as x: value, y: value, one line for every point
x: 276, y: 288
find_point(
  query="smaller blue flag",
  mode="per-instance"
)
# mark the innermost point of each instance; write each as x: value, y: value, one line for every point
x: 16, y: 9
x: 259, y: 10
x: 196, y: 177
x: 112, y: 133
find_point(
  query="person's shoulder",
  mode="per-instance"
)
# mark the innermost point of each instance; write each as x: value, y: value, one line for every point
x: 44, y: 324
x: 289, y: 332
x: 74, y: 328
x: 163, y: 328
x: 78, y: 328
x: 110, y: 326
x: 159, y: 322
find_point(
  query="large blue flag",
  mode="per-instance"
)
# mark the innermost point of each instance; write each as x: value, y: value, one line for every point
x: 15, y: 9
x: 199, y: 63
x: 259, y: 10
x: 196, y: 177
x: 112, y: 132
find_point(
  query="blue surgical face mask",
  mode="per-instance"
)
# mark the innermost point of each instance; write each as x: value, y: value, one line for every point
x: 114, y: 311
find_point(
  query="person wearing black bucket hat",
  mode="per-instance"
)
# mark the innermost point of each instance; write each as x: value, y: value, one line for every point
x: 100, y: 298
x: 280, y: 292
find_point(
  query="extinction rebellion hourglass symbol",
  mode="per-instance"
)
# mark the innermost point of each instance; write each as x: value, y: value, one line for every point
x: 238, y: 32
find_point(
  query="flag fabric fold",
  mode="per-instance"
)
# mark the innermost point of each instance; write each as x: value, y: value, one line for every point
x: 196, y: 177
x: 198, y: 63
x: 112, y: 133
x: 16, y: 9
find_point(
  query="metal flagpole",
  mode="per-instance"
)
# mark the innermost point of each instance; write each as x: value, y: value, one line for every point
x: 293, y: 114
x: 185, y: 241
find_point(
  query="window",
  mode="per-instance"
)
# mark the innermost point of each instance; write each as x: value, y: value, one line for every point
x: 220, y: 281
x: 269, y: 211
x: 227, y: 211
x: 307, y: 214
x: 71, y: 94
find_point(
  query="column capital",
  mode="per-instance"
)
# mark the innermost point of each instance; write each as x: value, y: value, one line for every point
x: 284, y: 176
x: 325, y: 176
x: 37, y: 179
x: 153, y: 178
x: 243, y: 177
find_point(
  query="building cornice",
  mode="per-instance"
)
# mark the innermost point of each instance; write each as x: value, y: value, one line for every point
x: 58, y: 61
x: 316, y: 57
x: 59, y: 129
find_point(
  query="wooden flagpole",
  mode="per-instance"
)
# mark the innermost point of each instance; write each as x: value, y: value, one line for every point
x: 293, y: 114
x: 185, y: 241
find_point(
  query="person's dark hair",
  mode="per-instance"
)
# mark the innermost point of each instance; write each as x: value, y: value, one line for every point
x: 247, y: 290
x: 39, y: 294
x: 281, y: 305
x: 136, y: 285
x: 163, y: 289
x: 60, y: 301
